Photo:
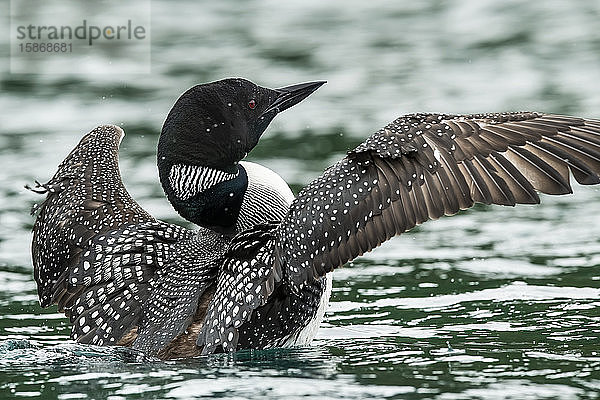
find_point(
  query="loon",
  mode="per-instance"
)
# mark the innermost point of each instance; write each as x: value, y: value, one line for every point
x: 256, y: 272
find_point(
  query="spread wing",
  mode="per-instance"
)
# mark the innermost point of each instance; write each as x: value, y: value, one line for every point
x: 419, y: 167
x: 423, y: 166
x: 95, y: 250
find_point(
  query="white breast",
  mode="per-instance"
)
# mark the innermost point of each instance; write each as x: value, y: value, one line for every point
x: 267, y: 198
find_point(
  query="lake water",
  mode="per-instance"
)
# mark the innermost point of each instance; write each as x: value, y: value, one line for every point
x: 494, y: 303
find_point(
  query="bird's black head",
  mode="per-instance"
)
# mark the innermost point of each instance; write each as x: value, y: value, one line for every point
x: 208, y: 131
x: 216, y: 124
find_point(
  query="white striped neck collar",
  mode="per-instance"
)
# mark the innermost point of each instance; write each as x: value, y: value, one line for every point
x: 189, y: 180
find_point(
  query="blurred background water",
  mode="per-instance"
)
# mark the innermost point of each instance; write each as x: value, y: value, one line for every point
x: 494, y: 303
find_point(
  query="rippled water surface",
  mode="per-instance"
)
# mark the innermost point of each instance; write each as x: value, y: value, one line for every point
x: 494, y: 303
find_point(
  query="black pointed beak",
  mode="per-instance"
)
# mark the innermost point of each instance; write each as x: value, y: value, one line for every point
x: 291, y: 95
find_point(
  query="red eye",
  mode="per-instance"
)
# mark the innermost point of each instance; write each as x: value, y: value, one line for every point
x: 252, y: 104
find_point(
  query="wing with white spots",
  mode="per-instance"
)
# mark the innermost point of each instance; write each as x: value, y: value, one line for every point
x: 423, y: 166
x: 173, y: 304
x: 252, y: 308
x: 95, y: 250
x: 419, y: 167
x: 245, y: 282
x: 114, y: 277
x: 85, y: 197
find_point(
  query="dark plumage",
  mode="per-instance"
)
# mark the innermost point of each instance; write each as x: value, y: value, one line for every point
x: 255, y: 274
